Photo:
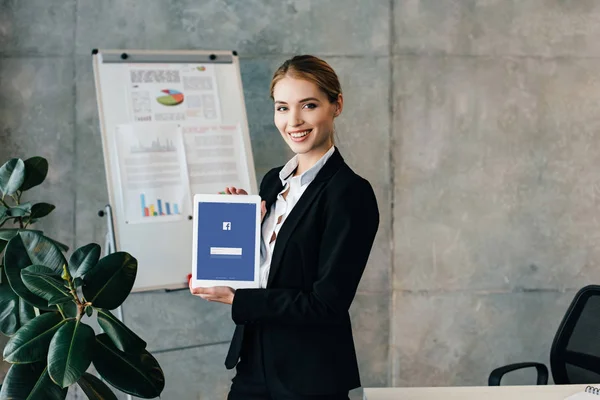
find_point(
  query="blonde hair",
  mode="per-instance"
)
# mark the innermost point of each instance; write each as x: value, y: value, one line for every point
x: 312, y: 69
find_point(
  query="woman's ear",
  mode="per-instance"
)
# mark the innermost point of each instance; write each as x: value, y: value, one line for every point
x: 339, y: 105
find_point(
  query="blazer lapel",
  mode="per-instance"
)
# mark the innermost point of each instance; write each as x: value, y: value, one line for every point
x: 310, y: 194
x: 270, y: 195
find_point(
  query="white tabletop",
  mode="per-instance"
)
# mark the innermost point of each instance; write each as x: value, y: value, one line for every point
x: 542, y: 392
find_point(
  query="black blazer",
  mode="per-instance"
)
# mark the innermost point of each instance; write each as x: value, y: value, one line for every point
x: 319, y: 257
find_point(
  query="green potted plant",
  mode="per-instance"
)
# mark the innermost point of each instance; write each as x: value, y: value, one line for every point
x: 45, y: 300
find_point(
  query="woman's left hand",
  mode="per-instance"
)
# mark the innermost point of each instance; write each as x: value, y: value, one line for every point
x: 222, y: 294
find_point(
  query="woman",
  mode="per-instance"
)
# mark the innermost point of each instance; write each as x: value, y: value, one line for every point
x: 293, y: 337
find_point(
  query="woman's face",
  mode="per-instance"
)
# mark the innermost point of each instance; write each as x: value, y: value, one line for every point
x: 304, y: 116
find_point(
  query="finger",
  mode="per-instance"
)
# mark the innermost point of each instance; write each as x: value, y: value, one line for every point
x: 198, y: 290
x: 210, y: 291
x: 242, y: 191
x: 228, y: 190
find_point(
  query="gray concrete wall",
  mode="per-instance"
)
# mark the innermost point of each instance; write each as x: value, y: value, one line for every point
x: 496, y: 160
x: 473, y: 120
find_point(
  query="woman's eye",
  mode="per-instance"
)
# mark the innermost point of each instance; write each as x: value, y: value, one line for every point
x: 310, y: 105
x: 281, y: 109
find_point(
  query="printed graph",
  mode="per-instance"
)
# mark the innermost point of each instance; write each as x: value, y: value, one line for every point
x: 156, y: 146
x: 170, y: 98
x: 159, y: 209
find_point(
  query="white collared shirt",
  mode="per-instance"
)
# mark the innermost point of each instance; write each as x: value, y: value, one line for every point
x: 282, y: 207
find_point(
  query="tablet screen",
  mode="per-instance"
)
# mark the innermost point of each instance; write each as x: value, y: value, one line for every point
x: 226, y: 241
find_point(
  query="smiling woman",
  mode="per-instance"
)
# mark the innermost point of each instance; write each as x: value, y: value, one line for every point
x: 307, y: 98
x: 293, y: 337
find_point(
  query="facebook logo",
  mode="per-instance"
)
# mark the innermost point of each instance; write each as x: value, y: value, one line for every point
x: 226, y: 226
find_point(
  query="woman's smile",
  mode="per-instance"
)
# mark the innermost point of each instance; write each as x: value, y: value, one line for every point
x: 300, y: 135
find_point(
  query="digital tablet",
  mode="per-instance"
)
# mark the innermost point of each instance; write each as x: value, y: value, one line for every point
x: 226, y: 246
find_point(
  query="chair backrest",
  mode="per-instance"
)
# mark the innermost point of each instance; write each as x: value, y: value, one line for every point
x: 575, y: 353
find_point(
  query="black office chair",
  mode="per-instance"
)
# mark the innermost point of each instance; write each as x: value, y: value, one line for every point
x: 575, y: 352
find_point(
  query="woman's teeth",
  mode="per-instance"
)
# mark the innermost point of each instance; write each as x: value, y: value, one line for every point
x: 297, y: 135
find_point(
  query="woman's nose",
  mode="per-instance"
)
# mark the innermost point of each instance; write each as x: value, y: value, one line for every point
x: 294, y: 119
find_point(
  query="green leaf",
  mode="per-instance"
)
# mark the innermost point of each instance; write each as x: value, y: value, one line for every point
x: 123, y: 338
x: 36, y: 170
x: 19, y: 211
x: 12, y: 175
x: 26, y: 311
x: 42, y: 282
x: 84, y: 259
x: 138, y: 374
x: 30, y: 344
x: 58, y: 244
x: 70, y: 352
x: 30, y: 382
x: 108, y: 284
x: 94, y: 388
x: 2, y: 245
x: 89, y: 311
x: 2, y: 211
x: 69, y: 309
x: 7, y: 234
x: 16, y: 258
x: 14, y: 311
x: 40, y: 210
x: 43, y: 251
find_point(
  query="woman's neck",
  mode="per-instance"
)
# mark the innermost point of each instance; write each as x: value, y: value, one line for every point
x: 307, y: 160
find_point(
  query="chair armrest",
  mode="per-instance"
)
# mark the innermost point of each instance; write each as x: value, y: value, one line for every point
x: 498, y: 373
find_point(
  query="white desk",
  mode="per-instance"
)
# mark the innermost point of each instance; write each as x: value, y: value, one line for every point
x: 552, y: 392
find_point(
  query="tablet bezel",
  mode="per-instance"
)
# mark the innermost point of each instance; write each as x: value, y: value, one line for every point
x: 226, y: 199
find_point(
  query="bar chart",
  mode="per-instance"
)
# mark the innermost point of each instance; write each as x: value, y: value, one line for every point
x: 161, y: 208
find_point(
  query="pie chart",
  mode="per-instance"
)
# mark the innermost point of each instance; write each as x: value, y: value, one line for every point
x: 171, y: 98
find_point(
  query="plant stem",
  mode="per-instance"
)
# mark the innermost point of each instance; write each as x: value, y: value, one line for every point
x: 61, y: 311
x: 67, y: 277
x: 80, y: 306
x: 73, y: 292
x: 3, y: 202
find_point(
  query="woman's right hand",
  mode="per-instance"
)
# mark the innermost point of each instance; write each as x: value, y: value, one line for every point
x: 263, y: 204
